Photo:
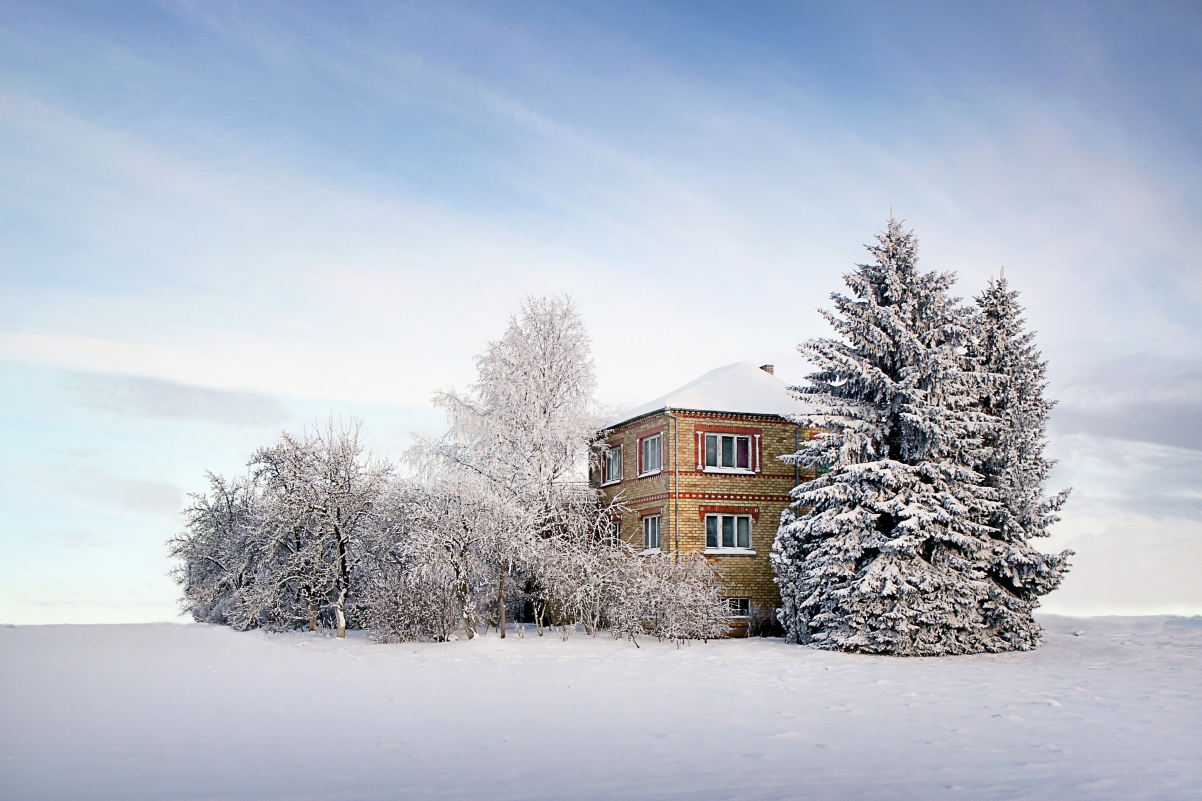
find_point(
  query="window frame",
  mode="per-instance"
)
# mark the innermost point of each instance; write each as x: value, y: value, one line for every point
x: 643, y: 442
x: 613, y: 534
x: 614, y: 452
x: 735, y: 605
x: 752, y: 452
x: 719, y: 519
x: 646, y: 523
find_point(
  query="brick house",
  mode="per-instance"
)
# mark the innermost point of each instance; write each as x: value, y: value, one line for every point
x: 698, y: 470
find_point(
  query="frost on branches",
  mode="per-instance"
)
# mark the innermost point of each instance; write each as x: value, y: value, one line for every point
x: 895, y: 548
x: 522, y: 435
x: 519, y: 443
x: 496, y: 518
x: 1014, y: 465
x: 283, y: 546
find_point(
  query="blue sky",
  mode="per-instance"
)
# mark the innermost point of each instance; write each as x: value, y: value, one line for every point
x: 221, y: 220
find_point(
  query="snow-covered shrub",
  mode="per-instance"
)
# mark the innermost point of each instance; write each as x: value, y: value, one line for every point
x: 669, y: 599
x: 763, y: 621
x: 893, y: 549
x: 408, y: 606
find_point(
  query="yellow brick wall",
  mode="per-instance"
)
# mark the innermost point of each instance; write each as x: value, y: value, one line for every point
x: 745, y: 576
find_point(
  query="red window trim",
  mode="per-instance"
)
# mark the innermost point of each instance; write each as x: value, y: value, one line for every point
x: 653, y: 510
x: 638, y: 449
x: 757, y: 438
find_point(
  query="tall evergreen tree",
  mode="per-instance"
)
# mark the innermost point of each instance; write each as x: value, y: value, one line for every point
x: 1014, y: 465
x: 889, y: 549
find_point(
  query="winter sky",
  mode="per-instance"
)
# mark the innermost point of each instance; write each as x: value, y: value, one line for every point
x: 220, y: 220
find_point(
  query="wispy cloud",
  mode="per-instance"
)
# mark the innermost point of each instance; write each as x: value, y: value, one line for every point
x: 1146, y: 398
x: 136, y: 396
x: 125, y: 492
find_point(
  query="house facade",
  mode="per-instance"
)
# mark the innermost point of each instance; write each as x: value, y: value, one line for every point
x: 698, y: 471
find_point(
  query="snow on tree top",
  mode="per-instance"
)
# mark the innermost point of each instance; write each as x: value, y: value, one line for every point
x: 741, y: 388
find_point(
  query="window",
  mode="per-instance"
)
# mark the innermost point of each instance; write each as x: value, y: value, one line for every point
x: 651, y: 533
x: 613, y: 533
x: 650, y: 455
x: 727, y: 452
x: 728, y: 531
x: 739, y: 607
x: 611, y: 465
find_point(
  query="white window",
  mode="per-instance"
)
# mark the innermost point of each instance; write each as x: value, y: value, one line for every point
x: 613, y: 533
x: 728, y: 531
x: 611, y: 465
x: 728, y: 452
x: 651, y: 533
x: 739, y: 607
x: 650, y: 455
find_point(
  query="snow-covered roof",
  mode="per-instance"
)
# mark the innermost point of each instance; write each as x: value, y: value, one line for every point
x: 741, y: 388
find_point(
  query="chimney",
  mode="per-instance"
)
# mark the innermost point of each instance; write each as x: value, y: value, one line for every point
x: 767, y: 368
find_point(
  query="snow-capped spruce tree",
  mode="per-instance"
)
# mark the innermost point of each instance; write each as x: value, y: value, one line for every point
x: 1014, y: 465
x: 891, y: 549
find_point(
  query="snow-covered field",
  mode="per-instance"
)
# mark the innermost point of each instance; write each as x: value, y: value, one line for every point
x: 169, y: 711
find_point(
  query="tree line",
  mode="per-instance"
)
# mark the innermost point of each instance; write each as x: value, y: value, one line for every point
x: 494, y: 520
x: 915, y: 538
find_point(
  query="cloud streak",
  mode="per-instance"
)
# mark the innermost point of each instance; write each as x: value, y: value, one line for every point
x: 1145, y: 398
x: 136, y: 396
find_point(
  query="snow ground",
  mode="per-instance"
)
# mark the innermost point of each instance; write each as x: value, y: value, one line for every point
x: 167, y: 711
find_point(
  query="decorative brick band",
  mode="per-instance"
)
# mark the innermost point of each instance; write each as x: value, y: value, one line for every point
x: 735, y: 496
x: 695, y: 472
x: 731, y: 416
x: 712, y: 496
x: 754, y: 511
x: 660, y: 496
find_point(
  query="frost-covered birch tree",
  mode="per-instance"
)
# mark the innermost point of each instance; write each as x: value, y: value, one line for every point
x: 1014, y: 465
x: 890, y: 550
x: 525, y: 428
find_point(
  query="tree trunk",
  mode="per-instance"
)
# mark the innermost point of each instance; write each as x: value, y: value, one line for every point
x: 461, y: 594
x: 538, y: 617
x: 469, y: 625
x: 344, y: 577
x: 501, y: 603
x: 312, y: 614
